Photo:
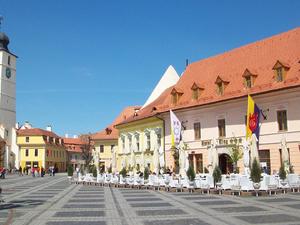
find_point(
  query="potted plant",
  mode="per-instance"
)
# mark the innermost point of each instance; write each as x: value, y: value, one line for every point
x: 123, y: 173
x: 282, y: 175
x: 146, y: 173
x: 217, y: 175
x: 94, y: 171
x: 255, y: 174
x: 191, y: 175
x: 70, y: 171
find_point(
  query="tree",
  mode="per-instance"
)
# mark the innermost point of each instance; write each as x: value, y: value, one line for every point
x: 86, y: 148
x: 70, y: 170
x: 235, y: 153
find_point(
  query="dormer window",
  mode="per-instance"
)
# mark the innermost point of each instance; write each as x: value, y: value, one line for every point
x: 175, y: 95
x: 108, y: 131
x: 221, y: 84
x: 280, y: 70
x: 196, y: 91
x: 249, y: 78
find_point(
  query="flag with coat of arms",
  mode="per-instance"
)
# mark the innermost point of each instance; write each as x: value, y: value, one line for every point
x: 175, y: 129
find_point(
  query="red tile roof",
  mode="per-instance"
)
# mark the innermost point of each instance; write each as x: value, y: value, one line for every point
x: 110, y: 132
x: 258, y: 58
x: 74, y: 144
x: 36, y: 132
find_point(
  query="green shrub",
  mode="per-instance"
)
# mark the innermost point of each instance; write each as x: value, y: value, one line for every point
x: 191, y: 173
x: 146, y: 173
x: 109, y: 169
x: 70, y: 170
x: 255, y: 171
x: 123, y: 172
x: 217, y: 174
x: 282, y: 173
x: 94, y: 171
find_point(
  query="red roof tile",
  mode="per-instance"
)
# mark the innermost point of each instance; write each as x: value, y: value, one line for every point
x: 110, y: 132
x: 36, y: 132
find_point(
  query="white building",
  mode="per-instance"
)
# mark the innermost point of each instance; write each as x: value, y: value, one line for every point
x: 9, y: 152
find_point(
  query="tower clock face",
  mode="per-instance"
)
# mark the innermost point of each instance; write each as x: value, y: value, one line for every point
x: 8, y: 73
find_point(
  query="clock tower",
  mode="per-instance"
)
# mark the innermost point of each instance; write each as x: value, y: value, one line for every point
x: 9, y: 156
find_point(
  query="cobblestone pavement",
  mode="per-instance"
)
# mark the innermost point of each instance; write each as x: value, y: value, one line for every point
x: 53, y: 201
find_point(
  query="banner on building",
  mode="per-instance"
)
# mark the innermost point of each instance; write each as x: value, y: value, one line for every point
x: 253, y: 114
x: 175, y: 129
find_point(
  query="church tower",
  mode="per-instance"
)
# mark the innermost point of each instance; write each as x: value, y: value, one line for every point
x: 8, y: 148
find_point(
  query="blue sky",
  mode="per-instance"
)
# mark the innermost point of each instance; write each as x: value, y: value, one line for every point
x: 81, y: 62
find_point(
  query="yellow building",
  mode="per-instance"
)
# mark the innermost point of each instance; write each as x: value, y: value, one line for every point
x: 106, y: 141
x: 41, y: 148
x: 141, y: 144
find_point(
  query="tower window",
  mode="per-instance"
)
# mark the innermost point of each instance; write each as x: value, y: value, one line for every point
x: 8, y: 60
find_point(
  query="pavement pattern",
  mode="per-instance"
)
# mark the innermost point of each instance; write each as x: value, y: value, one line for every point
x: 54, y: 201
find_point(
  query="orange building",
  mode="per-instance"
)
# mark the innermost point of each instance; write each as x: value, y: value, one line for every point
x: 74, y: 148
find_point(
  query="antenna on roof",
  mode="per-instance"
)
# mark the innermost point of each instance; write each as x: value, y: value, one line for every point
x: 186, y: 63
x: 1, y: 19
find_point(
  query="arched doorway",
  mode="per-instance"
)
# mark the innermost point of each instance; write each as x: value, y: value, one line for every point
x: 225, y: 164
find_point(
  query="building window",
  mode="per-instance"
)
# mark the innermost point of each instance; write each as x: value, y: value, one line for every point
x: 123, y: 143
x: 101, y: 148
x: 279, y: 74
x: 264, y: 158
x: 195, y: 95
x: 282, y: 120
x: 158, y: 140
x: 112, y: 147
x: 220, y: 88
x: 137, y: 138
x: 221, y: 127
x: 248, y: 82
x: 36, y: 152
x: 130, y: 142
x: 199, y: 163
x: 174, y: 98
x: 197, y: 131
x: 8, y: 60
x: 27, y: 139
x: 26, y: 152
x: 148, y: 147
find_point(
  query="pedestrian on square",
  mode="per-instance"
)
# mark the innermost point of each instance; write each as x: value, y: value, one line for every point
x: 32, y: 172
x: 20, y: 171
x: 42, y: 172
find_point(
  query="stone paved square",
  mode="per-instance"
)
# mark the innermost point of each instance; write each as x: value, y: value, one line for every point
x: 57, y: 202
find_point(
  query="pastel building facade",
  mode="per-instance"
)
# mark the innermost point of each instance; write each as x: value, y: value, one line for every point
x: 74, y: 150
x: 41, y: 148
x: 210, y: 100
x: 106, y: 141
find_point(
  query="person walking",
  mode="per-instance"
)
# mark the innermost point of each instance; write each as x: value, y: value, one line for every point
x: 20, y: 171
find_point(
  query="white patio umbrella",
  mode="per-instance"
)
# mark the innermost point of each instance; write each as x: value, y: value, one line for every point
x: 156, y: 160
x: 113, y: 159
x: 161, y: 157
x: 285, y: 153
x: 214, y: 155
x: 186, y: 162
x: 132, y: 159
x: 246, y: 157
x: 254, y: 150
x: 181, y: 158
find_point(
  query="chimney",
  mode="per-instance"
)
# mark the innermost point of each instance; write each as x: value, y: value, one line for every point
x: 66, y: 135
x: 49, y: 128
